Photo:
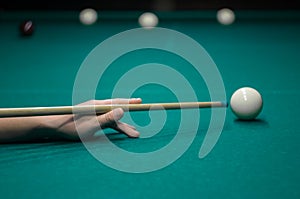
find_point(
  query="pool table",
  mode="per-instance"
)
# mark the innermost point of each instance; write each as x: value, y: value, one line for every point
x: 253, y: 159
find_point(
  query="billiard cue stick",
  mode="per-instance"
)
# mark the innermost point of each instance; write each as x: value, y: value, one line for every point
x: 101, y: 109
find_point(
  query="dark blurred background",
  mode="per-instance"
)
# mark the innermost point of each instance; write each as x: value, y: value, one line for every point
x: 159, y: 5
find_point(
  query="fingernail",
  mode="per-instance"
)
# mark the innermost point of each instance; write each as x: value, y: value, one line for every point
x: 135, y: 134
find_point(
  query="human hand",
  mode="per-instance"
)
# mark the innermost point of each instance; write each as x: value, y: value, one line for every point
x: 68, y: 126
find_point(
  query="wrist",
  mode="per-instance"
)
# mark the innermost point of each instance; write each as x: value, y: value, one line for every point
x: 56, y: 127
x: 46, y: 127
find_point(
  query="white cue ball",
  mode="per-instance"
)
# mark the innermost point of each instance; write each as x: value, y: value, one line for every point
x: 148, y: 20
x: 246, y: 103
x: 88, y: 16
x: 225, y: 16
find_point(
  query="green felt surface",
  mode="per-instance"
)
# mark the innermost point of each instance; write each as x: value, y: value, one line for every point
x: 258, y: 159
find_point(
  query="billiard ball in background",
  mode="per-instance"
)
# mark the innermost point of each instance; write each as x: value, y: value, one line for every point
x: 246, y: 103
x: 26, y: 28
x: 88, y: 16
x: 225, y: 16
x: 148, y: 20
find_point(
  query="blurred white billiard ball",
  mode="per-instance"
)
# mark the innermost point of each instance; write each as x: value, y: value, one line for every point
x: 225, y: 16
x: 88, y: 16
x: 148, y: 20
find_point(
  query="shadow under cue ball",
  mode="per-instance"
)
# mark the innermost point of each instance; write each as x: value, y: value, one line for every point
x: 26, y: 28
x: 246, y: 103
